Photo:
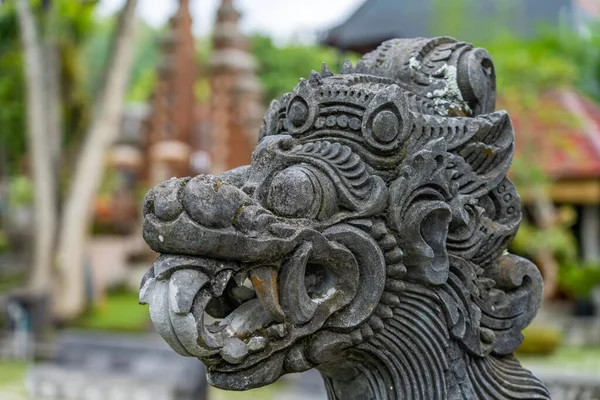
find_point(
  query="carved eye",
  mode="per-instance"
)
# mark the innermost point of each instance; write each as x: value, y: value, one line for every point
x: 294, y: 193
x: 297, y: 112
x: 386, y: 126
x: 301, y: 191
x: 383, y: 125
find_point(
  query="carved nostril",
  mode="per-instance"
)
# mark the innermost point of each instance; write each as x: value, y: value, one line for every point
x: 210, y: 202
x: 286, y: 143
x: 167, y: 205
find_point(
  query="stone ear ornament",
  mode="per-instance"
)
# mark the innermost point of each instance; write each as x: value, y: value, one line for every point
x: 367, y: 239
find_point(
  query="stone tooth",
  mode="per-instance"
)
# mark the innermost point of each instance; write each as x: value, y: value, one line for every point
x: 219, y: 283
x: 234, y: 351
x: 264, y: 280
x: 243, y: 293
x: 240, y: 277
x: 248, y: 283
x: 257, y: 343
x: 183, y: 287
x: 147, y: 286
x: 146, y: 291
x: 277, y: 331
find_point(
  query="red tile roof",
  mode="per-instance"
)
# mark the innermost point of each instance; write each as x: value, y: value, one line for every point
x: 591, y: 7
x: 561, y: 133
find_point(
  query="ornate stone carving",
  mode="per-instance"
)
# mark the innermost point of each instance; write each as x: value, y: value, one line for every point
x: 367, y: 239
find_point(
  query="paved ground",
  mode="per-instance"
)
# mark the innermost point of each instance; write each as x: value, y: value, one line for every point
x: 306, y: 386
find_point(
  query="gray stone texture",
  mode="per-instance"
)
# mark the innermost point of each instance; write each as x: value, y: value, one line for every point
x: 367, y: 239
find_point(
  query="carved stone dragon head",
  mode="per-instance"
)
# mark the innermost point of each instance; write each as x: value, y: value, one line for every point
x: 367, y: 239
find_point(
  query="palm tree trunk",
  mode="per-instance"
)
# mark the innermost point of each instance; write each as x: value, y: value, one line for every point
x: 38, y: 141
x: 89, y: 170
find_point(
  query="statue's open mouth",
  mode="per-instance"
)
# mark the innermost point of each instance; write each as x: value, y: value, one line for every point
x: 216, y: 303
x: 229, y: 314
x: 237, y: 287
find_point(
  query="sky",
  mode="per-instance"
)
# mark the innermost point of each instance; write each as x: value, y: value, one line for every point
x: 283, y: 20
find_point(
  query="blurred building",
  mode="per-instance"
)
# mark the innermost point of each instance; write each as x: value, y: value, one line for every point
x: 171, y: 124
x: 236, y: 96
x: 378, y: 20
x: 177, y: 135
x: 564, y: 140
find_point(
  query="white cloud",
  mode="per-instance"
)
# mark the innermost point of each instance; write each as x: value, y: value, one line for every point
x: 284, y: 20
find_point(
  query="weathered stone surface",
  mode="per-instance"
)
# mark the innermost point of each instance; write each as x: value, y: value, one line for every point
x: 372, y: 226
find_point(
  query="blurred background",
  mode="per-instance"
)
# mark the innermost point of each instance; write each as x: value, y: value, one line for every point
x: 102, y: 99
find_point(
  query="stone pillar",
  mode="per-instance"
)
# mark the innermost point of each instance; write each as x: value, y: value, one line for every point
x: 172, y: 121
x: 236, y: 97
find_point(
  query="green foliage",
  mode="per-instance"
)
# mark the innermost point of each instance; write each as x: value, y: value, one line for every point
x: 579, y: 279
x: 67, y: 25
x: 280, y: 67
x: 21, y: 192
x: 95, y: 55
x: 143, y: 71
x: 141, y: 88
x: 532, y: 66
x: 147, y: 57
x: 554, y: 57
x: 526, y: 174
x: 531, y: 240
x: 12, y: 90
x: 539, y: 340
x: 111, y: 181
x: 4, y: 245
x: 12, y: 108
x: 9, y: 28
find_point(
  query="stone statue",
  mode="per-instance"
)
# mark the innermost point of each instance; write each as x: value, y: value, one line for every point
x: 367, y: 239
